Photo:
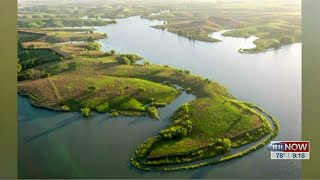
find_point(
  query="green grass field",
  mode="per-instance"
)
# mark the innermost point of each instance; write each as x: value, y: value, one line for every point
x: 38, y: 46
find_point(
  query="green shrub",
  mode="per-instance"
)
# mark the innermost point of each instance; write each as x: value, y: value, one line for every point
x: 146, y: 63
x: 102, y: 108
x: 188, y: 90
x: 157, y: 104
x: 19, y: 68
x: 166, y: 83
x: 125, y: 60
x: 90, y: 39
x: 65, y: 108
x: 153, y: 112
x: 85, y: 112
x: 286, y: 40
x: 93, y: 46
x: 92, y: 88
x: 219, y: 141
x: 114, y: 113
x: 142, y: 90
x: 226, y: 144
x: 174, y: 132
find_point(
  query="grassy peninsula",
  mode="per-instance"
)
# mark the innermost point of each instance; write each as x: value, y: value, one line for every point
x: 101, y: 82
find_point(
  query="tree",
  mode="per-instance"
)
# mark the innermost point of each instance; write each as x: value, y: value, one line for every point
x: 19, y: 68
x: 114, y: 113
x: 93, y: 46
x: 65, y: 108
x: 187, y: 71
x: 92, y: 88
x: 125, y: 60
x: 188, y: 90
x: 85, y: 112
x: 113, y: 52
x: 286, y: 40
x: 142, y: 90
x: 226, y: 144
x: 153, y: 112
x: 146, y: 63
x: 33, y: 25
x: 90, y: 39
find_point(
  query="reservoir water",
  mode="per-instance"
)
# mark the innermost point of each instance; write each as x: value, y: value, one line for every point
x: 64, y: 145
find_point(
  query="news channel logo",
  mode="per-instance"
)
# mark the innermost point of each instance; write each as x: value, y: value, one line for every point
x: 289, y: 146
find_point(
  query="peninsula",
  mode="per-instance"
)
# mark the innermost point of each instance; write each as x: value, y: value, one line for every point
x: 59, y: 74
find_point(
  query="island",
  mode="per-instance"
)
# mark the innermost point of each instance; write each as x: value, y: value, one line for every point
x: 57, y: 72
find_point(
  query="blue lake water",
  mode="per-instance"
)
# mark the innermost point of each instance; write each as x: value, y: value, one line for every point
x: 54, y: 144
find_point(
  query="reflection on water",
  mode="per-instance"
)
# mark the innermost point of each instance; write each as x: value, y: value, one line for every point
x: 66, y: 145
x: 243, y: 43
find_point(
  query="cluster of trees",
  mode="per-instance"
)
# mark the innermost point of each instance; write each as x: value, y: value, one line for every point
x: 31, y: 58
x: 73, y: 66
x: 93, y: 46
x: 144, y: 148
x: 31, y: 74
x: 224, y: 144
x: 187, y: 35
x: 181, y: 113
x: 176, y: 132
x: 168, y: 83
x: 184, y: 71
x: 111, y: 53
x: 181, y: 127
x: 125, y: 60
x: 153, y: 112
x: 129, y: 58
x: 90, y: 39
x: 203, y: 80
